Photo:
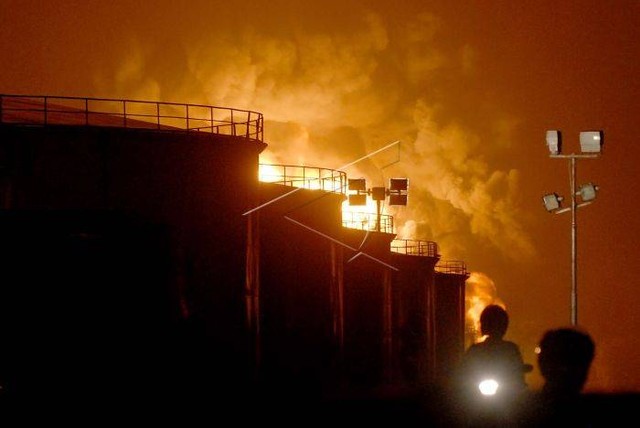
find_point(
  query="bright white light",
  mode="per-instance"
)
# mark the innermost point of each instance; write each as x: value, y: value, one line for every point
x: 588, y: 192
x: 488, y: 387
x: 552, y: 201
x: 553, y: 141
x: 591, y: 141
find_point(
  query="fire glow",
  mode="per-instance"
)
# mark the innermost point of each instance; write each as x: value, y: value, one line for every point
x: 480, y: 289
x: 480, y: 292
x: 363, y: 217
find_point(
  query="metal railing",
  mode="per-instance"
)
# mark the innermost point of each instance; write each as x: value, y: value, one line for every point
x: 306, y: 177
x: 454, y: 267
x: 367, y: 221
x: 52, y: 110
x: 415, y: 247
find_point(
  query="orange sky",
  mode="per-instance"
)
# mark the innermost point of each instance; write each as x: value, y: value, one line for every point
x: 468, y: 88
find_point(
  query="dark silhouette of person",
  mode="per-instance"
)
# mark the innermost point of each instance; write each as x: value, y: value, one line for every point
x: 495, y: 356
x: 494, y: 360
x: 564, y: 359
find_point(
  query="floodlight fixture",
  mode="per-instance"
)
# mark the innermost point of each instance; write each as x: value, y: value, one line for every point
x: 357, y: 184
x: 552, y: 201
x: 397, y: 193
x: 398, y: 188
x: 398, y: 184
x: 358, y: 199
x: 554, y: 141
x: 397, y: 199
x: 591, y: 141
x: 588, y: 192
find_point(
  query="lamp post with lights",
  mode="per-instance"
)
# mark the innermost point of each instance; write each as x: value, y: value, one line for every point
x: 397, y: 192
x: 591, y: 148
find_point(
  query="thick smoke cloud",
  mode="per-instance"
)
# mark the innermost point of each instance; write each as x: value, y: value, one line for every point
x: 332, y: 97
x: 448, y: 164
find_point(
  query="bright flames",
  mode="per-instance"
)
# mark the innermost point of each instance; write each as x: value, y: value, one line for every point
x: 480, y: 292
x: 362, y: 217
x: 305, y: 177
x: 269, y: 173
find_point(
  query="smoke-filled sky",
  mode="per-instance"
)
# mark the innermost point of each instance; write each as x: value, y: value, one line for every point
x: 469, y: 89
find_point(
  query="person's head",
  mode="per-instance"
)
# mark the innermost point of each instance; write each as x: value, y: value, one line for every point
x: 494, y: 321
x: 565, y: 358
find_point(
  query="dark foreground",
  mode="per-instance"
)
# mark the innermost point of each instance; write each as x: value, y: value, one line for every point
x: 294, y: 405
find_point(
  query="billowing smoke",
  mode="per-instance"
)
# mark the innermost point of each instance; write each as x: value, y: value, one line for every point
x: 457, y: 191
x: 332, y: 97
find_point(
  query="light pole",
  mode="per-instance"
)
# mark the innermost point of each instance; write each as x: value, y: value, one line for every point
x: 591, y: 148
x: 397, y: 192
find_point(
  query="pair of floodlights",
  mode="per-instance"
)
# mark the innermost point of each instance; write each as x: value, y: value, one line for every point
x: 553, y: 201
x: 590, y: 147
x: 397, y: 191
x: 590, y: 142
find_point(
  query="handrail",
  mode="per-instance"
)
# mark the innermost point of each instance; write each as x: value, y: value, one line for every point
x: 453, y: 267
x: 415, y: 247
x: 367, y: 221
x: 48, y: 110
x: 306, y: 177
